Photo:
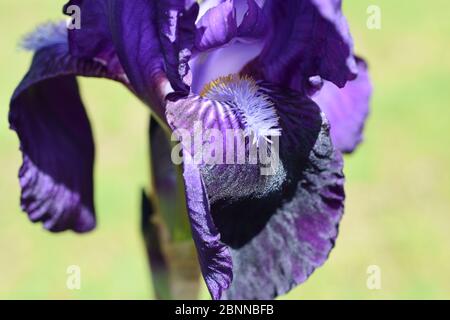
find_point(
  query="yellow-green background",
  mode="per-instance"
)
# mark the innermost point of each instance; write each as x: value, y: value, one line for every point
x: 398, y: 183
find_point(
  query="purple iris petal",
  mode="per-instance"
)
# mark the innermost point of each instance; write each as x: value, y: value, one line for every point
x: 219, y: 21
x: 176, y: 24
x: 254, y: 21
x: 223, y: 48
x: 55, y: 135
x: 297, y: 236
x: 153, y: 41
x: 229, y: 59
x: 216, y: 27
x: 239, y: 218
x: 235, y: 180
x: 222, y: 20
x: 214, y: 256
x: 93, y: 40
x: 347, y: 108
x: 278, y: 241
x: 297, y: 209
x: 302, y: 39
x: 306, y: 38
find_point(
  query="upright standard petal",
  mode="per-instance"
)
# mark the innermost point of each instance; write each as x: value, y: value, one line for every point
x: 229, y: 35
x: 55, y: 135
x: 254, y: 22
x: 305, y: 38
x: 347, y: 108
x: 224, y: 20
x: 216, y: 27
x: 288, y: 43
x: 153, y: 40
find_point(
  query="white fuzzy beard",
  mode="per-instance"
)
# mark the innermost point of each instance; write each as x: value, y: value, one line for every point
x: 257, y: 112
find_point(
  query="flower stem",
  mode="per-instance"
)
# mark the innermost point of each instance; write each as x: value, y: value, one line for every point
x: 165, y: 226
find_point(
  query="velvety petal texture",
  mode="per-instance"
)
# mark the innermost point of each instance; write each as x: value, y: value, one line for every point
x: 214, y: 256
x: 93, y: 40
x: 307, y: 38
x: 55, y: 135
x: 298, y: 208
x: 304, y: 38
x: 278, y: 241
x: 248, y: 67
x: 176, y: 24
x: 153, y: 40
x: 287, y: 43
x: 347, y: 108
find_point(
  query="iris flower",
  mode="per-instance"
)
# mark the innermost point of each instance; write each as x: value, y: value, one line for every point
x: 281, y: 68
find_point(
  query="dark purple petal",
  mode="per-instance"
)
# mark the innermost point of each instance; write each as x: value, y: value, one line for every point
x: 216, y: 27
x: 297, y: 236
x: 55, y: 135
x: 347, y: 108
x: 236, y: 180
x: 298, y: 208
x: 176, y: 23
x: 278, y: 241
x: 214, y: 256
x: 153, y: 40
x: 305, y: 38
x: 291, y: 42
x: 222, y: 47
x: 93, y: 40
x: 254, y: 22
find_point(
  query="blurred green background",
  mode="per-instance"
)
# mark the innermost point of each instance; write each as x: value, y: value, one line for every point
x: 398, y: 183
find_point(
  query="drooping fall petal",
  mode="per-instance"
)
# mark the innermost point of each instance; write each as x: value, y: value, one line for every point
x: 298, y: 208
x: 55, y: 135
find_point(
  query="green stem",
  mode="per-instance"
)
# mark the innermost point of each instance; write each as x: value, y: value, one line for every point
x: 165, y: 225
